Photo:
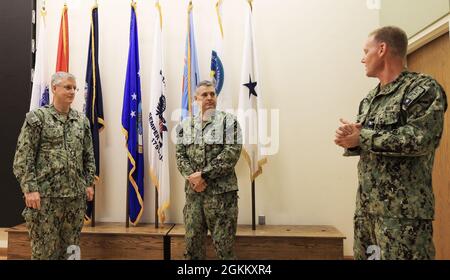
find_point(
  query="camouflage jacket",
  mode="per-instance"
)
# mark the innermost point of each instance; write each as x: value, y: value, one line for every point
x: 54, y: 154
x: 402, y: 127
x: 213, y: 148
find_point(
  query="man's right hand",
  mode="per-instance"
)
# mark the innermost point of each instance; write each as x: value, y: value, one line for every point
x: 347, y: 135
x: 200, y: 187
x: 345, y: 129
x: 195, y: 178
x: 33, y: 200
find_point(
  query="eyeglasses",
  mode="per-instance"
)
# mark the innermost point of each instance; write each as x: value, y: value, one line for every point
x: 69, y: 88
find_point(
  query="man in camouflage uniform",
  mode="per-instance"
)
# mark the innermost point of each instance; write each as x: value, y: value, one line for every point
x: 208, y: 148
x: 54, y: 164
x: 398, y: 128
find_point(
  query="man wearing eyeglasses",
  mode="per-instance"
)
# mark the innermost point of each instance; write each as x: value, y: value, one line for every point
x: 54, y: 164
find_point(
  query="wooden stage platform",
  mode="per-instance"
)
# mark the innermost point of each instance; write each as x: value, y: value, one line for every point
x: 145, y: 242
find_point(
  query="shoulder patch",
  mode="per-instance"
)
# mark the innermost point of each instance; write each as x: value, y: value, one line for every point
x: 229, y: 119
x: 412, y: 96
x: 33, y: 119
x: 179, y: 130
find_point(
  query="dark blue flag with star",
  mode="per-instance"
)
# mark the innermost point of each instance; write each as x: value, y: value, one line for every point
x: 132, y: 126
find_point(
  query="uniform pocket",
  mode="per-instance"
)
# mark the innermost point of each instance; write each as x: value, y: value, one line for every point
x: 361, y: 118
x: 49, y: 164
x: 214, y: 135
x: 30, y: 215
x: 53, y: 134
x: 387, y: 120
x: 78, y: 133
x: 221, y: 201
x: 213, y: 150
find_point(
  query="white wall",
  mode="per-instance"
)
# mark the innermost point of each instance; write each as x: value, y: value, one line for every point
x: 413, y: 15
x: 309, y: 59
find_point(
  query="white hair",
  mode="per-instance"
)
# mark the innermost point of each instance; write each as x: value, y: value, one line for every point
x: 59, y: 76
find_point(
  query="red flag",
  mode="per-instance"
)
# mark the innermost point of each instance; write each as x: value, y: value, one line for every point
x: 62, y: 60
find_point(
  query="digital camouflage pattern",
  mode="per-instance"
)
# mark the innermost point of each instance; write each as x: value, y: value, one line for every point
x: 219, y: 214
x: 54, y: 154
x: 397, y: 239
x: 212, y: 147
x: 55, y: 227
x: 402, y: 126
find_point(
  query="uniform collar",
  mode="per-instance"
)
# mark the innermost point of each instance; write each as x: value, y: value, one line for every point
x: 200, y: 124
x: 71, y: 115
x: 392, y: 86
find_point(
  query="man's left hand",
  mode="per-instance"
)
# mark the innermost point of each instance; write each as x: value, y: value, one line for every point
x: 90, y: 193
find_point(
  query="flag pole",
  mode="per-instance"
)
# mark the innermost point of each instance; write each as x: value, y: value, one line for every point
x: 127, y: 210
x: 253, y: 206
x: 156, y: 208
x: 34, y: 38
x: 93, y: 210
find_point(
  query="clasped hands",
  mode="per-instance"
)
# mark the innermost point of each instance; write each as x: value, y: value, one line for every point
x: 198, y: 184
x: 347, y: 135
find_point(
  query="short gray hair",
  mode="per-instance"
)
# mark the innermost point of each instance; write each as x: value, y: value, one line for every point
x: 59, y: 76
x: 206, y: 83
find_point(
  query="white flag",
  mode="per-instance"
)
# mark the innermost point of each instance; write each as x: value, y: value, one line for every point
x: 250, y: 101
x: 224, y: 101
x: 40, y: 91
x: 158, y: 133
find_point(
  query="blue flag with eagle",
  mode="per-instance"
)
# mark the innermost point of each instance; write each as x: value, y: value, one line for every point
x: 224, y: 101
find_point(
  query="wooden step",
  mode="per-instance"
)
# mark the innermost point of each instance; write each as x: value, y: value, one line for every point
x: 272, y: 242
x: 115, y: 241
x: 104, y: 241
x: 3, y: 253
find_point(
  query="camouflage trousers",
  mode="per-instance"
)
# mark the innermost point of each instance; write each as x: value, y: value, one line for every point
x: 392, y: 238
x: 55, y: 227
x: 219, y: 214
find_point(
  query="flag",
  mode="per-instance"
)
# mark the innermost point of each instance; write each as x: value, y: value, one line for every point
x: 132, y: 125
x: 157, y: 122
x: 224, y: 101
x: 40, y: 92
x: 250, y: 101
x: 191, y: 74
x: 94, y: 100
x: 62, y: 60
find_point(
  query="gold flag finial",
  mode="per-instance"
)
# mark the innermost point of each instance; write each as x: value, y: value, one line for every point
x: 158, y: 6
x: 43, y: 10
x: 250, y: 2
x: 219, y: 2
